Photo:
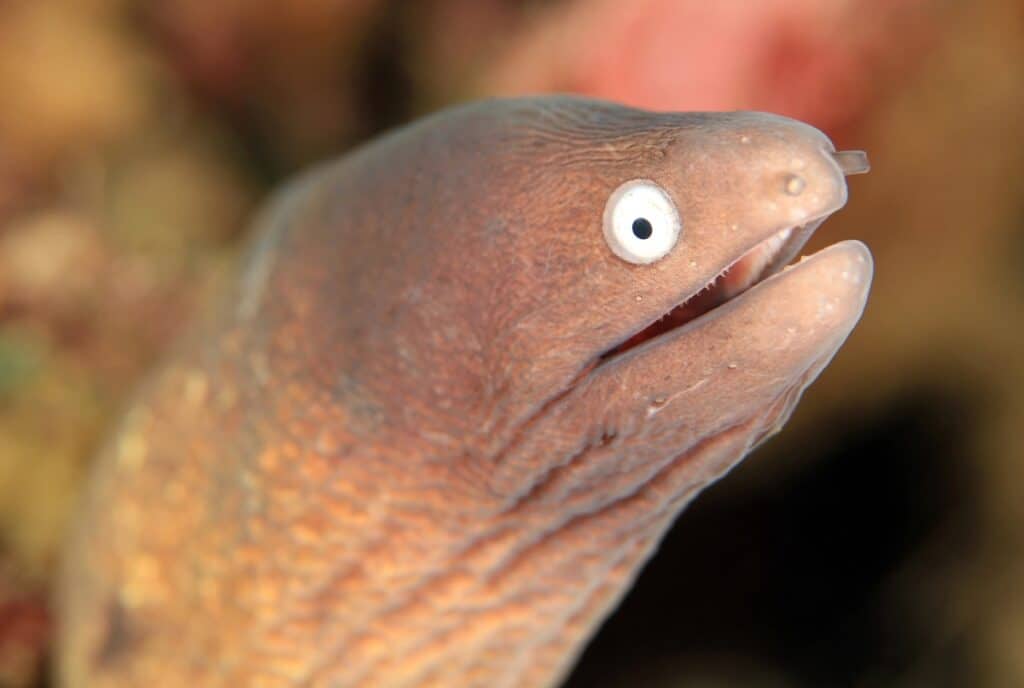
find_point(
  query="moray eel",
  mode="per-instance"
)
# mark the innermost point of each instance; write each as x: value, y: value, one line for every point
x: 462, y: 383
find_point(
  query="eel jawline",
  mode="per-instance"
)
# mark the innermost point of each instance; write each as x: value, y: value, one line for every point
x: 760, y: 262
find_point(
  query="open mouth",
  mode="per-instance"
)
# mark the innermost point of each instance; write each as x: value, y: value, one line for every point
x: 762, y: 261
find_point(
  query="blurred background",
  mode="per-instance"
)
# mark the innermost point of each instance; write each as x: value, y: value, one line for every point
x: 879, y: 541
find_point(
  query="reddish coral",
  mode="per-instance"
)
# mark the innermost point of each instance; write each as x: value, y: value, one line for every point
x: 813, y: 60
x: 25, y: 629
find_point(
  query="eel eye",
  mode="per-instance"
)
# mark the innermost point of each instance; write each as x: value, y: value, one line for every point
x: 641, y: 223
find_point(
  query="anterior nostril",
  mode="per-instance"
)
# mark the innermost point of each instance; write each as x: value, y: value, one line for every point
x: 794, y: 184
x: 852, y: 161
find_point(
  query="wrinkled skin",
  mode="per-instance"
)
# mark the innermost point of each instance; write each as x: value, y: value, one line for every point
x: 394, y: 455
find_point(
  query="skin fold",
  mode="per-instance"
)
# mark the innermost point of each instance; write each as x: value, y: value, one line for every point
x: 396, y: 453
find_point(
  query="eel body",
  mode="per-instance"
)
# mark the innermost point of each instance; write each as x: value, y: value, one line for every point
x: 461, y: 384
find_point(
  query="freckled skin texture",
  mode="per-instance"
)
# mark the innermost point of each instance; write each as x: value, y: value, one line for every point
x: 394, y: 456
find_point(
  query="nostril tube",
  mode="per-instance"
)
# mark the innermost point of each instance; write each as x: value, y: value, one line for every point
x: 852, y: 161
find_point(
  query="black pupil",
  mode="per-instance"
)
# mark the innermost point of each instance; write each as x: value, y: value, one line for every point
x: 642, y: 228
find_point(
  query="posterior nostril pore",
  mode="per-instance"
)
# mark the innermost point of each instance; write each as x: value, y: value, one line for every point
x: 794, y: 184
x: 852, y: 161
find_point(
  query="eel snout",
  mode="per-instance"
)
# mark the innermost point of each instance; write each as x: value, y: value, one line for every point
x: 763, y: 260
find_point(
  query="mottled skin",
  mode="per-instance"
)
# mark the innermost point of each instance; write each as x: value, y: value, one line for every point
x: 394, y: 455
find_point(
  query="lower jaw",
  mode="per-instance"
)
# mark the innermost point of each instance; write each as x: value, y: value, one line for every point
x: 762, y: 261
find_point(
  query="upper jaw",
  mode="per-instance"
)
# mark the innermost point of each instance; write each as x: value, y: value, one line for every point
x: 758, y: 262
x: 769, y: 253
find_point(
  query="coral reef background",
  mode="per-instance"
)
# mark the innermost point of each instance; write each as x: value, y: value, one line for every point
x: 878, y: 541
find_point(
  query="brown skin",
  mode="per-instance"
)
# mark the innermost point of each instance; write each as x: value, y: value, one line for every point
x: 395, y: 455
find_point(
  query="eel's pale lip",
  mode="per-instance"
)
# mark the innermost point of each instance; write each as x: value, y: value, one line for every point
x: 761, y: 261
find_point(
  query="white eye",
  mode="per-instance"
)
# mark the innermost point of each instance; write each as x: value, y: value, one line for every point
x: 641, y: 223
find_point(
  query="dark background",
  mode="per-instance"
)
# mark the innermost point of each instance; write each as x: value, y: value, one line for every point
x: 879, y: 541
